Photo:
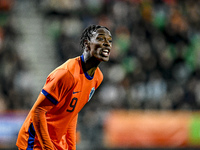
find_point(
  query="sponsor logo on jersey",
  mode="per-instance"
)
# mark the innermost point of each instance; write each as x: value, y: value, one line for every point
x: 76, y: 92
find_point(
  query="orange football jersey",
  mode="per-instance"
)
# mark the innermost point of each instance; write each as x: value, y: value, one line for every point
x: 68, y: 88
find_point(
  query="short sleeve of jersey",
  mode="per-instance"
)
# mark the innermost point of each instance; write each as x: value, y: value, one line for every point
x: 57, y: 83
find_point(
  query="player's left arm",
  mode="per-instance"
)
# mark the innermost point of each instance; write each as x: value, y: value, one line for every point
x: 71, y: 134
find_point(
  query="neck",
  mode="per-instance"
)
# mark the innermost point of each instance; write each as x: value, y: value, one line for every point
x: 90, y: 64
x: 91, y: 71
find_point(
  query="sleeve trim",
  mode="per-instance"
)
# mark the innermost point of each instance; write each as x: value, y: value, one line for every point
x: 49, y: 97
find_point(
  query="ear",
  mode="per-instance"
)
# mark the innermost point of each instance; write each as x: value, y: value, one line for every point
x: 87, y: 44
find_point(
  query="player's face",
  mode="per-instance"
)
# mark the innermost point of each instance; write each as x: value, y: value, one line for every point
x: 101, y: 44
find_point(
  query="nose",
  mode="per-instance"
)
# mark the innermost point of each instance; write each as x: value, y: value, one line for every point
x: 106, y: 43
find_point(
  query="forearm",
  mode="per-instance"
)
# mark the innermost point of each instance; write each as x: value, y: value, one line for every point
x: 71, y: 134
x: 40, y: 125
x: 71, y: 140
x: 38, y: 115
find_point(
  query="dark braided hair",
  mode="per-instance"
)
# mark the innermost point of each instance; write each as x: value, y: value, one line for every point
x: 87, y: 33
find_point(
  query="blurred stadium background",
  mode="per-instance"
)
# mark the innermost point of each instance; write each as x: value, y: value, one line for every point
x: 150, y: 96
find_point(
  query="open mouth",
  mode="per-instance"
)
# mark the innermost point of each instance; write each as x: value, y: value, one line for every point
x: 106, y: 52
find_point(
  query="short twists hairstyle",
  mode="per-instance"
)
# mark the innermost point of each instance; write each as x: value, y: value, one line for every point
x: 87, y: 33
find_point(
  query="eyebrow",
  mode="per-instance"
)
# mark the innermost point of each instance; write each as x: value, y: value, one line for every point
x: 103, y: 34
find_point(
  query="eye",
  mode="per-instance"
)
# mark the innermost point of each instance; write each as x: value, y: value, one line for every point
x: 100, y: 38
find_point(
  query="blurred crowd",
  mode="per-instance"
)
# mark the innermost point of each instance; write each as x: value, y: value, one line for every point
x: 154, y: 63
x: 11, y: 64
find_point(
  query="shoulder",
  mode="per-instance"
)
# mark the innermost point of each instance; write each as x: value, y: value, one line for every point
x: 70, y: 64
x: 64, y: 71
x: 60, y: 77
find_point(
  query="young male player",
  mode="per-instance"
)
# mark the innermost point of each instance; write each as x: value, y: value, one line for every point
x: 51, y: 123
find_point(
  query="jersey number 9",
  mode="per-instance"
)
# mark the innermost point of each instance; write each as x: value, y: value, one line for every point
x: 73, y: 104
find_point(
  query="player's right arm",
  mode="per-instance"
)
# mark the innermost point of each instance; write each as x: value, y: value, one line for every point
x: 38, y: 114
x: 57, y: 83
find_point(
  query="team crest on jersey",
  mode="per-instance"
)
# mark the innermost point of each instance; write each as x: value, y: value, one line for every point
x: 91, y: 93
